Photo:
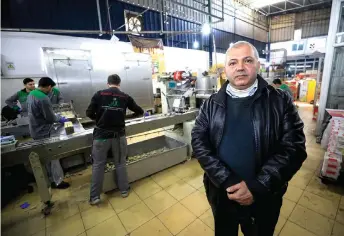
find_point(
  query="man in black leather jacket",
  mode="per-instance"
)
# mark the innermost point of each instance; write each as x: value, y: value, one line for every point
x: 249, y: 140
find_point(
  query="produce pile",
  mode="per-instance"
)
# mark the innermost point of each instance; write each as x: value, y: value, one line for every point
x: 68, y: 114
x: 111, y: 166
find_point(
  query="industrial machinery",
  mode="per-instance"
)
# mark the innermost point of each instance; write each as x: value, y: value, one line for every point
x: 183, y: 90
x: 79, y: 66
x: 158, y: 153
x: 20, y: 126
x: 179, y: 87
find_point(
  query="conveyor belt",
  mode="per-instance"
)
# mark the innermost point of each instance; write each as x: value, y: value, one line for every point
x: 65, y: 145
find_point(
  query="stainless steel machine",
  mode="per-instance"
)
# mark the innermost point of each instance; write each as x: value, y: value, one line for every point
x: 39, y: 152
x: 179, y: 88
x: 182, y: 90
x: 78, y: 76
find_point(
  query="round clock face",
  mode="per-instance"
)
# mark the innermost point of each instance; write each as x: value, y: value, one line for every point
x: 134, y: 24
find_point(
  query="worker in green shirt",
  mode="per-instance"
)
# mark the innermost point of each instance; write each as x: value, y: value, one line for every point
x: 41, y: 121
x: 277, y: 83
x: 21, y: 97
x: 55, y: 96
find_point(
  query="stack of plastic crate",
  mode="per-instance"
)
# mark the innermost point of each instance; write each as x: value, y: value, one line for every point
x: 333, y: 158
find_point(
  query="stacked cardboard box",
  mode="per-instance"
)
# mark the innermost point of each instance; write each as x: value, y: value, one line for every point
x: 333, y: 158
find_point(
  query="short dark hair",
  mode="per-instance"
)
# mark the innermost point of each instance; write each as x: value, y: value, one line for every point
x: 277, y: 81
x: 114, y: 79
x: 27, y: 80
x: 45, y: 82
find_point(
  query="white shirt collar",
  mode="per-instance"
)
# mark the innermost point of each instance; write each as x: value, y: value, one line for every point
x: 236, y: 93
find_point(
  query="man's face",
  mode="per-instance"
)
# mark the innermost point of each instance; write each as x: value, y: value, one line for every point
x: 241, y: 67
x: 30, y: 86
x: 47, y: 89
x: 276, y: 86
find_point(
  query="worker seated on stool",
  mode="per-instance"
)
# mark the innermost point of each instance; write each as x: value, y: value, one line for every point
x: 21, y: 96
x: 41, y: 120
x: 108, y: 108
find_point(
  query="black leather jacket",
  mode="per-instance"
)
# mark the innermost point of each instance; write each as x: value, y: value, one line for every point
x: 279, y: 140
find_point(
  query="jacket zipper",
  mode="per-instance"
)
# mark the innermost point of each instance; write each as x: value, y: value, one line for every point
x: 221, y: 128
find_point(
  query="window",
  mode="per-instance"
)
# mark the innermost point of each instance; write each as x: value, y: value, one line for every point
x: 297, y: 47
x: 294, y: 47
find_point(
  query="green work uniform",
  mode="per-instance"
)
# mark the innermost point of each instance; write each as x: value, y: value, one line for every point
x: 20, y: 96
x: 286, y: 88
x: 56, y: 96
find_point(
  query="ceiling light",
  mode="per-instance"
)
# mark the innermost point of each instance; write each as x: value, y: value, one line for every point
x: 206, y: 29
x: 195, y: 44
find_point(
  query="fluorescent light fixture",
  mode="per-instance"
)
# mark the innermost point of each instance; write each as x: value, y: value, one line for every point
x: 195, y: 44
x: 260, y: 3
x: 307, y: 66
x: 206, y: 29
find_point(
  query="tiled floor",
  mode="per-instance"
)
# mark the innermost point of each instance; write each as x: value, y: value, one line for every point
x: 173, y: 202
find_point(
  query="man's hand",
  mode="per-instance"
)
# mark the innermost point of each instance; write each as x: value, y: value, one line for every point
x: 240, y: 193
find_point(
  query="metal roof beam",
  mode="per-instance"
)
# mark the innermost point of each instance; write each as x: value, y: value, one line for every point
x: 194, y: 9
x: 298, y: 7
x: 297, y: 4
x: 278, y: 8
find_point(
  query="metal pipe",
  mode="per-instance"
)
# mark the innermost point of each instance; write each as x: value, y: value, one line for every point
x: 294, y: 3
x: 162, y: 21
x: 210, y: 43
x: 223, y: 9
x: 99, y: 19
x: 278, y: 8
x: 108, y: 14
x: 95, y: 31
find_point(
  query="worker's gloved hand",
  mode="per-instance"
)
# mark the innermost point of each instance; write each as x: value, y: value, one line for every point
x: 63, y: 119
x: 17, y: 109
x: 146, y: 114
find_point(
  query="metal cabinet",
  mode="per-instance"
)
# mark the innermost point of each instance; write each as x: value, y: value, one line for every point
x: 138, y: 82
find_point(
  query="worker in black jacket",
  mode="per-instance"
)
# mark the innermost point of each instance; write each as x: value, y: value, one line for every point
x: 108, y: 108
x: 250, y: 142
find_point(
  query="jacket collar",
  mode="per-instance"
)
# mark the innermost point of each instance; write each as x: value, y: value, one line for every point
x: 114, y: 89
x: 220, y: 97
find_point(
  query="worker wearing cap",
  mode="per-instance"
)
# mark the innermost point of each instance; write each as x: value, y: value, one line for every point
x: 21, y: 97
x: 108, y: 108
x: 56, y: 96
x: 41, y: 120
